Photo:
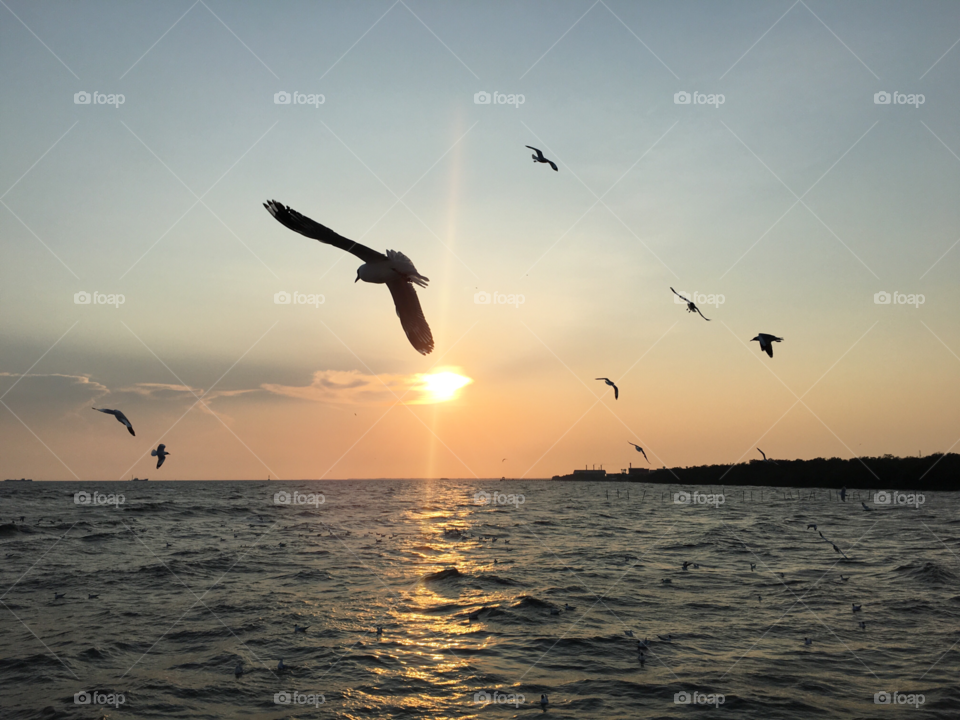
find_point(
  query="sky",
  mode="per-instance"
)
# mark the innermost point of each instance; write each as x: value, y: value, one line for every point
x: 787, y: 194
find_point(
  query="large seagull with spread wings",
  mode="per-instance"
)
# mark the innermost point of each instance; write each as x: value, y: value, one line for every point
x: 394, y: 269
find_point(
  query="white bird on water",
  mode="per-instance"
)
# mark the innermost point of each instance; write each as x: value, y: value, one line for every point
x: 161, y: 454
x: 395, y: 270
x: 120, y: 418
x: 766, y: 342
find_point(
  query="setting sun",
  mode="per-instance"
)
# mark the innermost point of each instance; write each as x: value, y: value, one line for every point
x: 442, y: 386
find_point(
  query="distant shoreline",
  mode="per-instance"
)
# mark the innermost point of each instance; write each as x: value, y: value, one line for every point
x: 932, y: 473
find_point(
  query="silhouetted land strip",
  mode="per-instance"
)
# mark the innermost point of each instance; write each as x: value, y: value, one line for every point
x: 933, y: 472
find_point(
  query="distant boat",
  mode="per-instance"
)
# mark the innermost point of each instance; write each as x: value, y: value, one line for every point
x: 139, y: 479
x: 20, y: 480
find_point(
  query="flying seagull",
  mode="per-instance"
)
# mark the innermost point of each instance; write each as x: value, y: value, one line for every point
x: 161, y: 454
x: 811, y: 525
x: 616, y: 390
x: 393, y: 269
x: 540, y: 158
x: 766, y: 342
x: 865, y: 506
x: 120, y: 418
x: 640, y: 450
x: 691, y: 307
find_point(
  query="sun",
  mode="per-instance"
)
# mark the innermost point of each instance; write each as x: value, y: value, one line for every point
x: 442, y: 386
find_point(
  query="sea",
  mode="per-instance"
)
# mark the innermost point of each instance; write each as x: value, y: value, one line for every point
x: 491, y: 597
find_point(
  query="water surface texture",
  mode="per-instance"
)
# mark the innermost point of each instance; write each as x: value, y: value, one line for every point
x: 543, y: 582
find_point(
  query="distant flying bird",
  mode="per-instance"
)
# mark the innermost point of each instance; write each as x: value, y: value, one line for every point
x: 856, y: 608
x: 57, y: 596
x: 811, y: 526
x: 161, y: 454
x: 639, y: 449
x: 120, y: 418
x: 808, y: 641
x: 753, y: 566
x: 394, y: 269
x: 766, y: 342
x: 844, y: 578
x: 298, y: 629
x: 616, y: 390
x: 865, y: 506
x: 540, y: 158
x: 628, y: 633
x: 92, y: 597
x: 691, y: 307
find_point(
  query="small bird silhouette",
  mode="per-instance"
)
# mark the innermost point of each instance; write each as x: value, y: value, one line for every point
x: 691, y: 306
x: 766, y: 342
x: 540, y: 158
x: 616, y: 392
x: 639, y: 450
x: 120, y: 418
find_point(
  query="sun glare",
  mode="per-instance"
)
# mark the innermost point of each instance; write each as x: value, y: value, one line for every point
x: 442, y: 386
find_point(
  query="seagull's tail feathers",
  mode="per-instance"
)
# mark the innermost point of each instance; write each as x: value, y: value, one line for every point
x: 405, y: 266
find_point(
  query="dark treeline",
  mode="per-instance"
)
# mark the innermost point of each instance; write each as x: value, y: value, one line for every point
x: 934, y: 472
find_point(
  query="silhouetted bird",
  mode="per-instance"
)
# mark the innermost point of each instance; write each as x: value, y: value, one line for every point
x: 540, y: 158
x: 120, y: 418
x: 811, y: 526
x: 616, y: 390
x: 691, y: 307
x: 640, y: 450
x: 766, y: 342
x: 161, y: 454
x: 394, y: 269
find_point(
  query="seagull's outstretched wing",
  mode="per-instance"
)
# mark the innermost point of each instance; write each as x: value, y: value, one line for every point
x: 539, y: 154
x: 762, y: 453
x: 553, y: 165
x: 411, y: 315
x: 312, y: 229
x: 616, y: 393
x: 680, y: 296
x: 160, y: 459
x: 701, y: 314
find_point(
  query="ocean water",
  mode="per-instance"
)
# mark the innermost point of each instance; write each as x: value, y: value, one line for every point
x: 193, y: 578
